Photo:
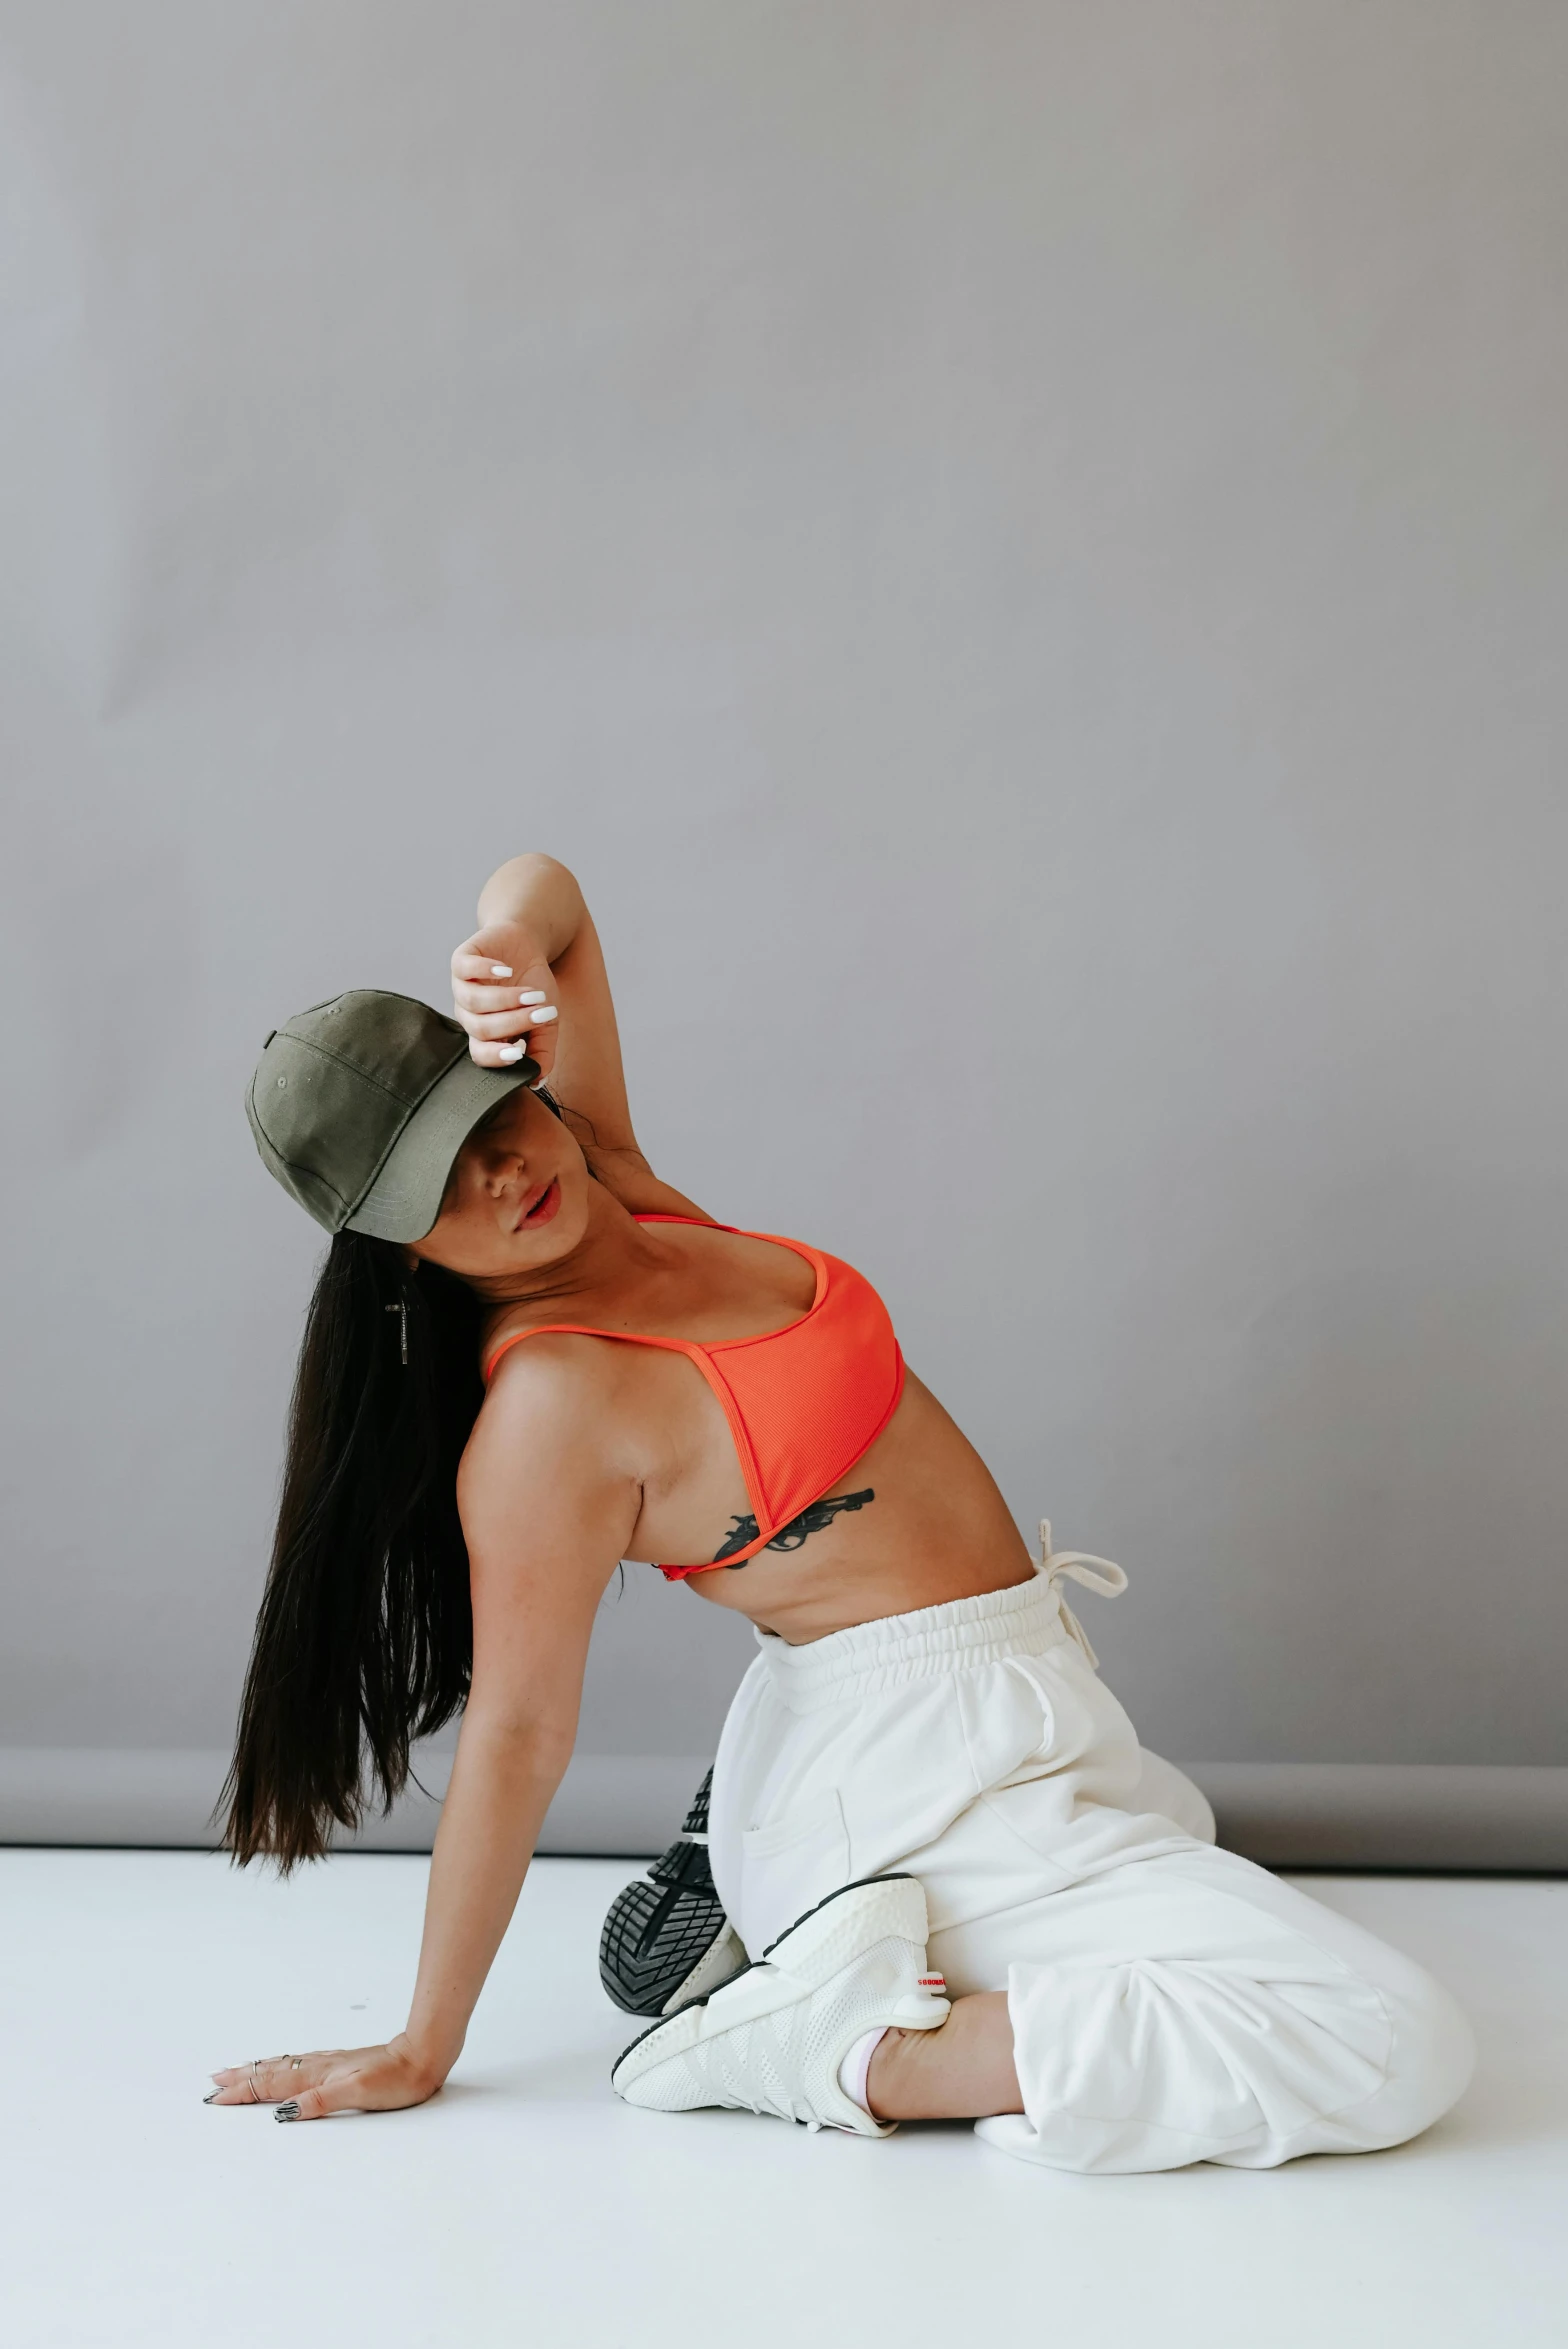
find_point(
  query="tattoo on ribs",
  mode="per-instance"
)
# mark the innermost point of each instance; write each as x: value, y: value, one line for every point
x: 816, y: 1519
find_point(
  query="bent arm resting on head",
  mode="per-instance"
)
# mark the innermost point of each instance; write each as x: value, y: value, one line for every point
x: 532, y: 976
x: 547, y: 1513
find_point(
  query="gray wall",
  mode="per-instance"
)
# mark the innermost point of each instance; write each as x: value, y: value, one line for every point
x: 1018, y: 550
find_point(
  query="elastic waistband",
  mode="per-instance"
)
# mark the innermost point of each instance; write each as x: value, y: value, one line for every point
x: 871, y: 1658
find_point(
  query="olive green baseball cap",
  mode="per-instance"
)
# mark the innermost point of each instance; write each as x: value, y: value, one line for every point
x: 359, y: 1107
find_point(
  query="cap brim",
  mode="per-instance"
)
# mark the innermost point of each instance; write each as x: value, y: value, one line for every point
x: 405, y: 1198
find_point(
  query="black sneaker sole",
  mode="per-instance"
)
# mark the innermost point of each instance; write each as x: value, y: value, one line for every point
x: 660, y: 1928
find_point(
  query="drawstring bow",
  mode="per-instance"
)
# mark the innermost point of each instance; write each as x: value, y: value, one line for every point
x: 1080, y: 1566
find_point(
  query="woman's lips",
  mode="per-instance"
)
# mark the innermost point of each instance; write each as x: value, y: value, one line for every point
x: 542, y: 1209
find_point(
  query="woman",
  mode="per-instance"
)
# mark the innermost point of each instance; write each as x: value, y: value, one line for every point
x: 963, y: 1890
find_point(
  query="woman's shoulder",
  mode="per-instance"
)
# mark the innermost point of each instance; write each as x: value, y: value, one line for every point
x: 557, y: 1354
x: 555, y: 1397
x: 554, y: 1446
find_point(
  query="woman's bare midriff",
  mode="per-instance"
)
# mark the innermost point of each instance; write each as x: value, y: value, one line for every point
x: 926, y: 1525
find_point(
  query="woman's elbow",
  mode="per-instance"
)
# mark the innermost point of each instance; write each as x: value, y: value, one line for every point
x: 530, y: 1744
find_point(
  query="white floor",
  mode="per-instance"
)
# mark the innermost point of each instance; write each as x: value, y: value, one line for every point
x: 527, y: 2205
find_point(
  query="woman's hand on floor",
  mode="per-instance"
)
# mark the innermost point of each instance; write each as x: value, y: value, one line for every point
x: 504, y: 994
x: 337, y: 2079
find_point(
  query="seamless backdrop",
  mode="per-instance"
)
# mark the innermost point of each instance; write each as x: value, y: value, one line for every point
x: 1019, y: 552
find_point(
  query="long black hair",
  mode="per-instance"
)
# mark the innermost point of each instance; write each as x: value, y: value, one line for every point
x: 365, y: 1636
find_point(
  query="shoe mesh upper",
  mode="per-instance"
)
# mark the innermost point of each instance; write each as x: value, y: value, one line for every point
x: 786, y: 2061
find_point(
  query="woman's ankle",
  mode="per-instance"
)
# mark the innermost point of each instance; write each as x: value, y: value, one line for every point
x: 961, y: 2071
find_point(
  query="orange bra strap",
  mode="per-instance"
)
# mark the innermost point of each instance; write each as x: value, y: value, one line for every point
x: 698, y: 1222
x: 630, y: 1337
x: 581, y: 1329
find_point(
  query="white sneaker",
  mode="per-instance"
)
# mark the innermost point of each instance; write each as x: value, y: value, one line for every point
x: 724, y: 1959
x: 772, y: 2039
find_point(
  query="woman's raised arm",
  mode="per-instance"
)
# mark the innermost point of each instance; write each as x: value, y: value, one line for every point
x: 536, y: 955
x: 532, y: 978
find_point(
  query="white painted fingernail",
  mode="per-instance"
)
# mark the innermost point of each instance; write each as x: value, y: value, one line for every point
x: 531, y: 995
x: 500, y: 970
x: 510, y: 1052
x: 539, y: 1017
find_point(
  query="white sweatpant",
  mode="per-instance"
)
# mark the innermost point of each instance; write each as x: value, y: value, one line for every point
x: 1170, y: 2002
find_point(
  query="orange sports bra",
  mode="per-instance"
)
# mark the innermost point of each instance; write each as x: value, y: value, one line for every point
x: 802, y: 1402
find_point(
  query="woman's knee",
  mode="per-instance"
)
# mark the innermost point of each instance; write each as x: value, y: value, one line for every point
x: 1431, y: 2061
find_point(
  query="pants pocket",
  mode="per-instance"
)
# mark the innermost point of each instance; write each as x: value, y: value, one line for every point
x: 787, y: 1865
